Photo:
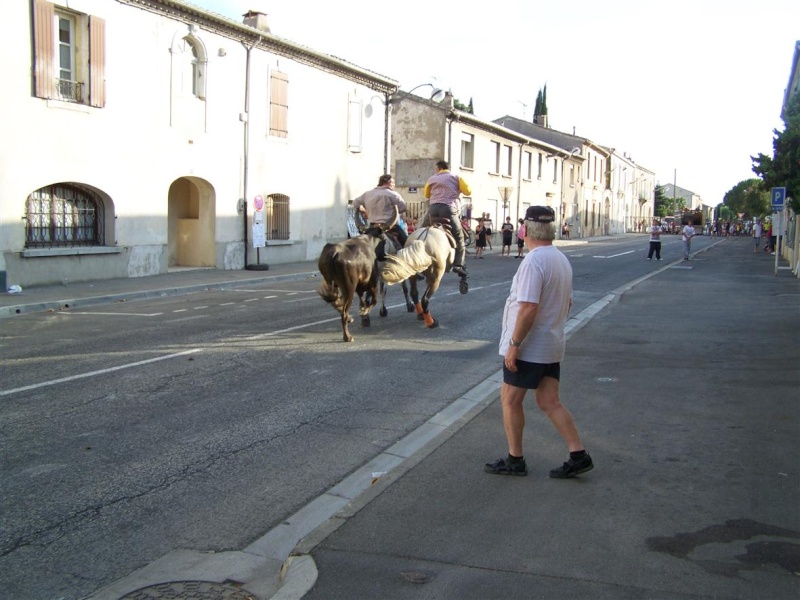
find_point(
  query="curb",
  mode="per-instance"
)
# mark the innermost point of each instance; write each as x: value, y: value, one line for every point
x: 66, y: 304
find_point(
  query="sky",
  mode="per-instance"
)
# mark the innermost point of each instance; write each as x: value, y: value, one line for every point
x: 690, y: 89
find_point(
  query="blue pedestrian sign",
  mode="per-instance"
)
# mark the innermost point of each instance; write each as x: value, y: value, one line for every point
x: 778, y: 197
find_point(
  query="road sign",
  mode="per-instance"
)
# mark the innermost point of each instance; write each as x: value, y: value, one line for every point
x: 258, y: 203
x: 778, y: 197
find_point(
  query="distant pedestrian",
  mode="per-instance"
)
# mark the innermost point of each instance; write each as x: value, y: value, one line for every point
x: 480, y: 239
x: 688, y: 234
x: 758, y: 231
x: 520, y: 238
x: 532, y: 345
x: 655, y: 241
x: 565, y: 231
x: 487, y: 222
x: 507, y: 230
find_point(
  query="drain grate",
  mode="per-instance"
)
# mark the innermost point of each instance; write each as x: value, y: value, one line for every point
x: 190, y: 590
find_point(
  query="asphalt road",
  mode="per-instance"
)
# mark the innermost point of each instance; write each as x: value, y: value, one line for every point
x: 201, y: 421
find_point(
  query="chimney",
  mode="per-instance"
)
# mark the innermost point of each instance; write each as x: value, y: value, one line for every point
x: 257, y: 20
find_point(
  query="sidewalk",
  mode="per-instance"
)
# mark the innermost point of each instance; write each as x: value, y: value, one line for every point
x: 686, y: 395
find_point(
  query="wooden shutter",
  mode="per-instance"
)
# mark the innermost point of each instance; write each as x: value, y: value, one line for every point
x: 97, y: 62
x: 43, y: 50
x: 278, y: 104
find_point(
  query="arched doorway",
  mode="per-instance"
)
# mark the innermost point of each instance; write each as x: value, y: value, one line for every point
x: 191, y: 223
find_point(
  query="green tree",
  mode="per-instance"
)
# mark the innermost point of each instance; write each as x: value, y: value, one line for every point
x: 782, y: 169
x: 458, y: 105
x: 665, y: 205
x: 540, y: 108
x: 749, y: 197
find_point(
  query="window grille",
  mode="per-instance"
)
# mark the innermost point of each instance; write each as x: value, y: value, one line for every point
x: 276, y: 209
x: 63, y: 216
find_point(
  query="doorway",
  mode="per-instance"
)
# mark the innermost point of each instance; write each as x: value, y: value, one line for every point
x: 191, y: 217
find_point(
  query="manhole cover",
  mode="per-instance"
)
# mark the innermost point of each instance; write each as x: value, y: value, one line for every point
x: 194, y: 590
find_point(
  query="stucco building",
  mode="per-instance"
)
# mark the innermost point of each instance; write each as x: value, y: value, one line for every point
x: 139, y: 133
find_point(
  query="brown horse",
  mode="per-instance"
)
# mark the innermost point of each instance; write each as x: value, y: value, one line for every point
x: 350, y: 268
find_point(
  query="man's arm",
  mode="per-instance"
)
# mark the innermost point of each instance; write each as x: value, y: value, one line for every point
x: 427, y: 190
x: 463, y: 187
x: 525, y: 318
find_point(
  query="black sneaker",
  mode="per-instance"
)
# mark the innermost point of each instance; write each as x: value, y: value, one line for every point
x: 573, y: 467
x: 503, y: 466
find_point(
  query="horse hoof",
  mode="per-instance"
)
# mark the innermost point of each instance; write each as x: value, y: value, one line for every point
x: 365, y: 322
x: 349, y: 338
x: 410, y: 307
x: 463, y: 286
x: 420, y: 317
x: 433, y: 325
x: 383, y: 312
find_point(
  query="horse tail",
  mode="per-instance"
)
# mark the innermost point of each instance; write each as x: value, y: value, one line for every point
x: 408, y: 261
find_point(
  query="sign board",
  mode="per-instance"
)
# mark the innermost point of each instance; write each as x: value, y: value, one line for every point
x: 258, y: 203
x: 412, y: 190
x: 259, y: 234
x: 778, y: 197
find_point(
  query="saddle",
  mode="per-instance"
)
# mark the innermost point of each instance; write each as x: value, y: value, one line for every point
x: 387, y: 235
x: 443, y: 223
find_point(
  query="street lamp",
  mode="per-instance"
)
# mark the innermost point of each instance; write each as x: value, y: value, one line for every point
x: 437, y: 95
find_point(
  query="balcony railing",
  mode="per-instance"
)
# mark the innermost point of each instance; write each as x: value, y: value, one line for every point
x: 71, y: 91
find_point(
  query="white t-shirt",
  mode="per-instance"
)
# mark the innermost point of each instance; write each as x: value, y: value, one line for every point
x: 544, y: 278
x: 688, y: 233
x: 655, y: 233
x: 757, y: 230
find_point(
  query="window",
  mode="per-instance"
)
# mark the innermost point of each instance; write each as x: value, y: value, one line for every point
x: 509, y: 152
x: 496, y: 156
x: 572, y: 175
x: 555, y: 170
x: 539, y: 175
x: 354, y: 125
x: 468, y: 151
x: 278, y: 104
x: 69, y: 55
x: 63, y: 215
x: 276, y: 209
x: 528, y: 165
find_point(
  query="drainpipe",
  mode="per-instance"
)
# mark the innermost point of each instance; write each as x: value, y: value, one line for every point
x: 247, y: 138
x: 386, y: 115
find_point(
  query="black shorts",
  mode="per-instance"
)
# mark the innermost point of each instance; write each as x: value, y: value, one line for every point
x: 520, y: 243
x: 529, y: 374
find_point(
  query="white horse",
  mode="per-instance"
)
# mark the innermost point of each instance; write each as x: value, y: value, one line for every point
x: 430, y: 251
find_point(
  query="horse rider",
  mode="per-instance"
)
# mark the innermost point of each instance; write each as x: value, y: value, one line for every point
x: 444, y: 190
x: 382, y: 206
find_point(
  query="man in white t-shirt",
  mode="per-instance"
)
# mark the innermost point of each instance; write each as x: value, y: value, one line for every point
x: 688, y: 234
x: 655, y: 241
x: 758, y: 231
x: 532, y: 346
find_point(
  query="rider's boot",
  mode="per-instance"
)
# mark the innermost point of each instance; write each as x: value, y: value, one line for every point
x: 460, y: 271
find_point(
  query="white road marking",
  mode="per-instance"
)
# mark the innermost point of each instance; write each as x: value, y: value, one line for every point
x: 616, y: 255
x: 94, y: 373
x: 110, y: 314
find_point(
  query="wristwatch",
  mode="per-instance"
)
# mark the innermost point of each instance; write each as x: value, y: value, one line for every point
x: 513, y: 342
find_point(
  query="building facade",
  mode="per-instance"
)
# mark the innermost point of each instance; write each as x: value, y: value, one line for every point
x: 141, y: 135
